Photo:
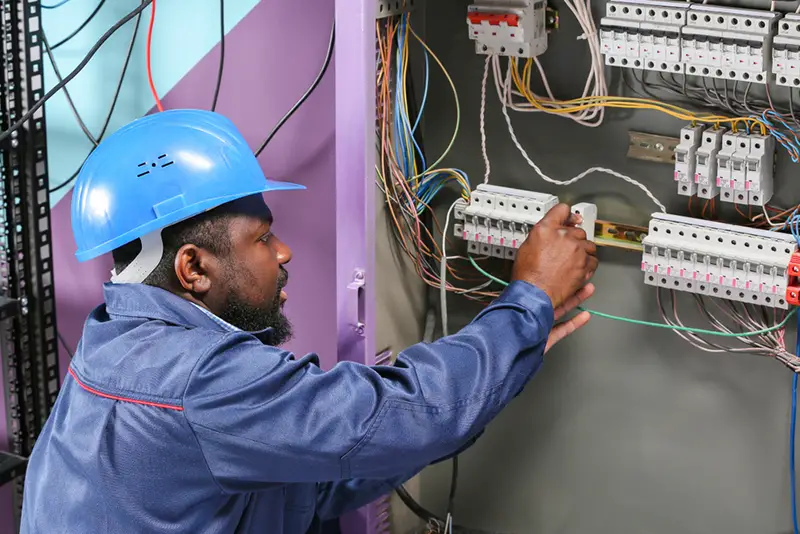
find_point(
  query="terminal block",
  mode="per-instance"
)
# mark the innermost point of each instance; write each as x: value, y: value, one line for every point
x: 643, y: 34
x: 390, y: 8
x: 720, y: 260
x: 786, y: 51
x: 514, y: 28
x: 496, y: 221
x: 729, y: 43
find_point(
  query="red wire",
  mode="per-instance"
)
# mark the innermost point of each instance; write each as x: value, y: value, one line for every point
x: 149, y: 69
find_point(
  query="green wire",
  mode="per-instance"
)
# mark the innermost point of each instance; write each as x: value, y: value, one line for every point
x: 655, y: 325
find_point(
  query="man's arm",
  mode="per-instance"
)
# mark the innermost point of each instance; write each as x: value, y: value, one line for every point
x: 262, y: 417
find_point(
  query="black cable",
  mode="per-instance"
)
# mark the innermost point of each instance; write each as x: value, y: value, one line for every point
x: 71, y: 104
x: 328, y: 57
x: 221, y: 54
x: 35, y: 107
x: 81, y: 27
x: 113, y: 105
x: 453, y: 486
x: 64, y: 344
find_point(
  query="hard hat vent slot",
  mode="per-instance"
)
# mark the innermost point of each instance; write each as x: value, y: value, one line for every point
x: 161, y: 160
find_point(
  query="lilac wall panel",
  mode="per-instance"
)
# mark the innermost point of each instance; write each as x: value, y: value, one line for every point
x: 269, y: 64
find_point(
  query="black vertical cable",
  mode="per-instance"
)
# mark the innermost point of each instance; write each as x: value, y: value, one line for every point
x: 221, y: 54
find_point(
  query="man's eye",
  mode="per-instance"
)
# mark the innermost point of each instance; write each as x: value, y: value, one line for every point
x: 266, y: 237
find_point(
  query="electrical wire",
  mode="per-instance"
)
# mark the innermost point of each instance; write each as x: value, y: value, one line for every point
x: 221, y: 54
x: 60, y: 85
x: 792, y: 444
x: 306, y: 95
x: 702, y: 331
x: 152, y: 84
x: 114, y: 101
x: 57, y: 4
x: 81, y: 27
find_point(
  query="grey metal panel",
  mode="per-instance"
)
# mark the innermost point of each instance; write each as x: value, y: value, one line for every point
x: 626, y: 429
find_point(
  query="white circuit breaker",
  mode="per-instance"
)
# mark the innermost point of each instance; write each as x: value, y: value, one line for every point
x: 497, y: 219
x: 643, y: 34
x: 514, y: 28
x: 706, y: 163
x: 719, y: 260
x: 686, y: 159
x: 786, y: 51
x: 745, y: 165
x: 729, y: 43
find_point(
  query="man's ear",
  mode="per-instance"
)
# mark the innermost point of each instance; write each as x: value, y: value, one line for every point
x: 191, y: 269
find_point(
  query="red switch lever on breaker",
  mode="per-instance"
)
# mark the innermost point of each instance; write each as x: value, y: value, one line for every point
x: 494, y: 19
x: 793, y: 286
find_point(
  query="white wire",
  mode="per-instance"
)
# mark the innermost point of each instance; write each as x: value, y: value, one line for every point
x: 443, y: 269
x: 582, y: 175
x: 595, y: 82
x: 484, y: 151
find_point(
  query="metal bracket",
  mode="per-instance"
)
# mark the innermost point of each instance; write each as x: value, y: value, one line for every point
x: 650, y: 147
x: 389, y: 8
x: 355, y: 301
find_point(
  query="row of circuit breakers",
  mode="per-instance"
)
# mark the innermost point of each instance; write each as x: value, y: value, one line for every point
x: 747, y: 45
x: 693, y: 255
x: 730, y: 43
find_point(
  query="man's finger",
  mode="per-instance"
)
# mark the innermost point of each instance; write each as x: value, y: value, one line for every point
x: 574, y: 301
x: 559, y: 215
x: 567, y: 328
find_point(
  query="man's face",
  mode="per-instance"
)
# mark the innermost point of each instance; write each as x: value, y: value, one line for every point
x: 253, y: 276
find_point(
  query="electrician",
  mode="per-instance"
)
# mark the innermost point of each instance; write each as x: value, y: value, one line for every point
x: 180, y: 413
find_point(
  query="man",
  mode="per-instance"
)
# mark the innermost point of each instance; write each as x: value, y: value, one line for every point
x: 181, y: 414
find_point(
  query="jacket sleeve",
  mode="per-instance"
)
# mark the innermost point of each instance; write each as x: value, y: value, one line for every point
x: 263, y: 417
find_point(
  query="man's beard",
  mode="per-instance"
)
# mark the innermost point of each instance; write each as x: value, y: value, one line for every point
x: 255, y: 319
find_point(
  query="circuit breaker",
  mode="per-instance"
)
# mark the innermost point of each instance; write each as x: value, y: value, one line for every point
x: 729, y: 43
x: 514, y: 28
x: 497, y: 220
x: 786, y: 51
x: 686, y: 159
x: 643, y: 34
x: 719, y: 260
x: 745, y: 164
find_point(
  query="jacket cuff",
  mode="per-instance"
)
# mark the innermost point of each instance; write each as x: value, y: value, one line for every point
x: 532, y: 299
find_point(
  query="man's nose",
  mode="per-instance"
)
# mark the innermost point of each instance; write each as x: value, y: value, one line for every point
x: 282, y: 250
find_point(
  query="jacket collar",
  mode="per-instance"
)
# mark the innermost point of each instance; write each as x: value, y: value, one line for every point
x: 148, y: 302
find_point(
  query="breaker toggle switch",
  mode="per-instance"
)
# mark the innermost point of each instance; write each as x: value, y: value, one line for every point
x: 494, y: 19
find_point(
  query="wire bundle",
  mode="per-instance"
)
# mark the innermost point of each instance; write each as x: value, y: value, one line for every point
x: 409, y: 182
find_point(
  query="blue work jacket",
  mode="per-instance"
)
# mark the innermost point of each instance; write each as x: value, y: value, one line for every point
x: 170, y: 420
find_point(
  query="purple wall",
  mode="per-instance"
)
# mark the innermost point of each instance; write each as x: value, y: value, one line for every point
x: 261, y: 82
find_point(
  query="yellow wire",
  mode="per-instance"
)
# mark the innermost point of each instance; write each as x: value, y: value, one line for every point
x: 455, y: 94
x: 522, y: 83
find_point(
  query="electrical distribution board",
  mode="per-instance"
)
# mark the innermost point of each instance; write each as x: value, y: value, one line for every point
x: 515, y: 28
x: 697, y: 39
x: 497, y: 219
x: 719, y: 260
x: 737, y: 167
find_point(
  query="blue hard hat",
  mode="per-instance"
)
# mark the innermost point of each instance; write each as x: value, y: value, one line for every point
x: 157, y: 171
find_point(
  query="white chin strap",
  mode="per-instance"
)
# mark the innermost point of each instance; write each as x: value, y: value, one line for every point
x: 144, y: 263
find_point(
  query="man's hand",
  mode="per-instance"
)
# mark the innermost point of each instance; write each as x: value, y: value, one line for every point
x: 560, y: 331
x: 556, y: 257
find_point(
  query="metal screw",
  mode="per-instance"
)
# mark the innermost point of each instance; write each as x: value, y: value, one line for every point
x: 659, y: 147
x: 359, y: 275
x: 360, y: 330
x: 24, y: 301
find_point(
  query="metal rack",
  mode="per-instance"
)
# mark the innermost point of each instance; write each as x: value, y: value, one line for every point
x: 27, y: 298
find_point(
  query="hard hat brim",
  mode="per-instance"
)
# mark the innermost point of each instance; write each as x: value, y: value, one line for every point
x: 175, y: 217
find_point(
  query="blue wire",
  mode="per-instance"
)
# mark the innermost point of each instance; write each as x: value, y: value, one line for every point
x: 424, y: 93
x: 792, y: 441
x: 58, y: 4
